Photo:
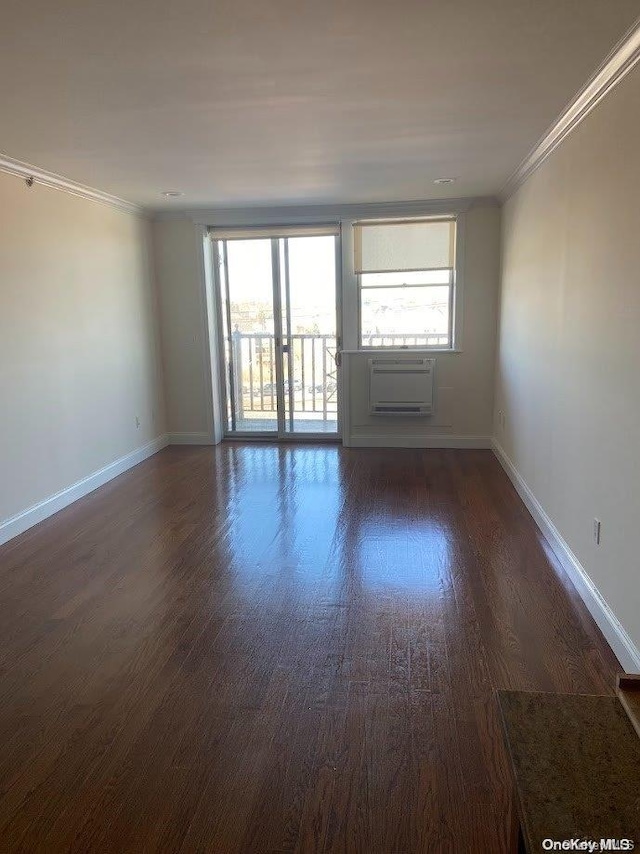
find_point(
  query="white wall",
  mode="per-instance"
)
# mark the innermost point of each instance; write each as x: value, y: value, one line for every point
x: 465, y: 382
x: 79, y: 353
x: 568, y: 366
x: 178, y: 266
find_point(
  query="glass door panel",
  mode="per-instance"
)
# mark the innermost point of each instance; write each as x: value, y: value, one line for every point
x: 246, y: 282
x: 278, y: 306
x: 309, y: 324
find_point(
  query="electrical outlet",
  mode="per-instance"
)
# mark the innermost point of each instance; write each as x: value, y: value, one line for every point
x: 137, y: 423
x: 596, y: 531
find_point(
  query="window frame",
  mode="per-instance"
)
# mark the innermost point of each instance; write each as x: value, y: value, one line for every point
x: 455, y: 298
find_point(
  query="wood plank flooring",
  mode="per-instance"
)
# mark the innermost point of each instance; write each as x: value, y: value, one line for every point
x: 261, y: 648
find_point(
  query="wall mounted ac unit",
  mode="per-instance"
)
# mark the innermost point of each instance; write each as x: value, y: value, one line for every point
x: 401, y: 386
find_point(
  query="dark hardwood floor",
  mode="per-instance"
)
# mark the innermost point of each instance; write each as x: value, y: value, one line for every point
x: 265, y: 649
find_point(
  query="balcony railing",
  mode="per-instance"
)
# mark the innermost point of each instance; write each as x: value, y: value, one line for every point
x: 310, y: 383
x: 429, y: 339
x: 310, y: 376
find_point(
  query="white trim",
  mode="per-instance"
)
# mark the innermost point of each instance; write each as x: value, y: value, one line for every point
x: 456, y: 323
x: 627, y: 653
x: 21, y: 522
x: 191, y: 439
x: 345, y: 398
x: 289, y: 215
x: 418, y: 441
x: 616, y: 66
x: 213, y: 344
x: 58, y: 182
x: 205, y: 267
x: 270, y: 232
x: 339, y: 333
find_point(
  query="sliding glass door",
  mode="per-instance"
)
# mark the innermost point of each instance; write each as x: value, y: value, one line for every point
x: 278, y: 299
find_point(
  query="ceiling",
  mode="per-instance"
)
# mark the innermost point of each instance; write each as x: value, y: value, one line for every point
x: 240, y: 102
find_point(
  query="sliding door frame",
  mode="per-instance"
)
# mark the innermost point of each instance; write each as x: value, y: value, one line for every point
x: 222, y: 292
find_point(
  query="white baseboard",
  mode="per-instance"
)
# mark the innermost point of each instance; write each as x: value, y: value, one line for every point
x: 190, y: 439
x: 419, y: 441
x: 625, y: 650
x: 21, y: 522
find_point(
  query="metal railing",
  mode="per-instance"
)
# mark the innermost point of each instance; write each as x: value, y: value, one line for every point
x: 310, y: 382
x: 310, y: 376
x: 428, y: 339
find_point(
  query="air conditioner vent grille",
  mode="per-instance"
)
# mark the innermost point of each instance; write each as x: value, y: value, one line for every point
x: 402, y: 387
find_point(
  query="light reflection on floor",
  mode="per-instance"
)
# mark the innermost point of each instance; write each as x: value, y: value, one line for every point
x: 285, y: 516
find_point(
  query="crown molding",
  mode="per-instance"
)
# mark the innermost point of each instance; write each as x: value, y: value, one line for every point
x: 616, y: 66
x: 58, y: 182
x: 299, y: 214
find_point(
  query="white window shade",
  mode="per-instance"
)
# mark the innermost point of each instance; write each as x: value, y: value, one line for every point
x: 383, y: 247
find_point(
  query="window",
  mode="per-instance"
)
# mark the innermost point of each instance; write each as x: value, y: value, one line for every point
x: 406, y: 275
